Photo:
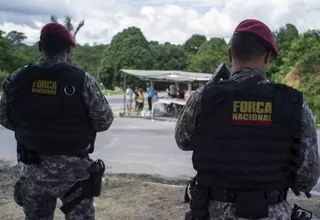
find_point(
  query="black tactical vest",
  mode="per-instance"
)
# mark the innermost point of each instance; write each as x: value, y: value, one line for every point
x: 249, y: 135
x: 48, y: 110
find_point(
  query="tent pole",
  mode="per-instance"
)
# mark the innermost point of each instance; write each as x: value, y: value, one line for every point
x: 124, y: 96
x: 189, y: 88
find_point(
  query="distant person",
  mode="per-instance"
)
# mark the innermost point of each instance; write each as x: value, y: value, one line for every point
x: 155, y: 95
x: 173, y: 91
x: 252, y: 140
x: 129, y: 98
x: 55, y: 110
x: 150, y: 96
x: 140, y: 100
x: 181, y: 93
x: 136, y: 93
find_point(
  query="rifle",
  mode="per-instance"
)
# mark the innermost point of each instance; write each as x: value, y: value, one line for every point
x: 299, y: 213
x: 221, y: 73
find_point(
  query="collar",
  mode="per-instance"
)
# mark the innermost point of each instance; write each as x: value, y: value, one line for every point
x: 242, y: 74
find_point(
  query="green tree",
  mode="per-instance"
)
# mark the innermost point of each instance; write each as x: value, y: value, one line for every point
x: 210, y: 54
x: 16, y: 37
x: 284, y: 38
x: 10, y: 59
x: 193, y: 43
x: 301, y: 52
x: 128, y: 49
x: 89, y: 58
x: 3, y: 75
x: 168, y: 57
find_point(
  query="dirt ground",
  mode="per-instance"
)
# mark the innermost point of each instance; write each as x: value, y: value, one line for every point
x: 126, y: 197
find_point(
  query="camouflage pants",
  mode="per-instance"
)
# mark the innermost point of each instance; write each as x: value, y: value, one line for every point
x: 223, y: 211
x: 41, y: 185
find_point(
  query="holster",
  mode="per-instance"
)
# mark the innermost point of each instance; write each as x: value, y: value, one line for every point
x: 89, y: 188
x: 199, y: 201
x: 26, y: 156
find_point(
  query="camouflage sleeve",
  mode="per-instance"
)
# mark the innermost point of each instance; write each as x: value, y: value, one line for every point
x: 4, y: 102
x: 186, y: 127
x: 309, y: 170
x: 99, y: 109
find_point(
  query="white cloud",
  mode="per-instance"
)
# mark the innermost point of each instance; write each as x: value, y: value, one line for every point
x: 161, y: 20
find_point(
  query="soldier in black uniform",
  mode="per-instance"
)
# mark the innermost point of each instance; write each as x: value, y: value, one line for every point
x: 55, y: 110
x: 251, y: 139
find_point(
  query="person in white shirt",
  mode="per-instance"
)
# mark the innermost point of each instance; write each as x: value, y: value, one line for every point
x: 129, y: 98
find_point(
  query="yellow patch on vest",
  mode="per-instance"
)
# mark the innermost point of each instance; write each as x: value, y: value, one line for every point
x: 44, y: 87
x: 252, y: 112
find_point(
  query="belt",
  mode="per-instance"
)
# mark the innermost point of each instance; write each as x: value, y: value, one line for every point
x: 273, y: 196
x: 81, y: 154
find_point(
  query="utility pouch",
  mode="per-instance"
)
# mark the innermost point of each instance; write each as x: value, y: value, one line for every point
x: 251, y: 204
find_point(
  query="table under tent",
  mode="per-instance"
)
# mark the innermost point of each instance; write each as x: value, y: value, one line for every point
x: 171, y: 76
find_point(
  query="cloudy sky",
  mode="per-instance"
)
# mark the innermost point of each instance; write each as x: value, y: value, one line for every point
x: 161, y: 20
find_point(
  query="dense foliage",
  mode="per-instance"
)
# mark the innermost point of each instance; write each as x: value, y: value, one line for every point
x: 297, y: 65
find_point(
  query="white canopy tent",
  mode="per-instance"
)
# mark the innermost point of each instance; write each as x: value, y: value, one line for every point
x: 167, y: 76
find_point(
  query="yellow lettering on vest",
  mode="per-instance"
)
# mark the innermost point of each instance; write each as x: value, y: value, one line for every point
x: 48, y: 87
x: 236, y: 106
x: 234, y: 116
x: 252, y: 107
x: 268, y: 108
x: 49, y: 84
x: 254, y: 117
x: 255, y: 111
x: 244, y: 106
x: 260, y: 106
x: 260, y: 117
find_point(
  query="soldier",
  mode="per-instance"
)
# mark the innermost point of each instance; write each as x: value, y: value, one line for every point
x: 251, y: 139
x: 55, y: 110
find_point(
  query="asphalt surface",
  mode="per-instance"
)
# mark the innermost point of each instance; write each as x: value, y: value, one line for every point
x: 130, y: 146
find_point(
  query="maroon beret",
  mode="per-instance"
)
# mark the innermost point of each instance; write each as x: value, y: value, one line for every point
x: 259, y: 29
x: 59, y: 31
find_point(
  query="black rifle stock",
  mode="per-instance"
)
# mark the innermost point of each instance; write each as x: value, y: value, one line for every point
x: 221, y: 73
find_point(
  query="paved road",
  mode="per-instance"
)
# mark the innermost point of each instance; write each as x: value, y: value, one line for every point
x: 116, y: 101
x: 131, y: 145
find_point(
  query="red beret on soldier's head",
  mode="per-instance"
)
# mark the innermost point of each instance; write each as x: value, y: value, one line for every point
x: 261, y: 30
x: 58, y: 31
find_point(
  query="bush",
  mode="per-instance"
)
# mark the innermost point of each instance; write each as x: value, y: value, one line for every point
x: 3, y: 75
